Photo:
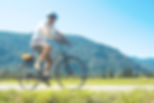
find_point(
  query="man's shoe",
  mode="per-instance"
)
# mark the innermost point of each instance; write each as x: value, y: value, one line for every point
x: 46, y: 80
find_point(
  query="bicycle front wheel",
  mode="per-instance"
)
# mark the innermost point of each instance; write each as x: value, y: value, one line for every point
x: 71, y: 73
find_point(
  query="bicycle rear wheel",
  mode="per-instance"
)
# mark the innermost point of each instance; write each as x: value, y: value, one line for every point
x: 71, y: 73
x: 28, y: 76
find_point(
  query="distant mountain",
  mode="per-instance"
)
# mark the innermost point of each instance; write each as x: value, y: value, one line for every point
x: 147, y: 63
x: 99, y: 58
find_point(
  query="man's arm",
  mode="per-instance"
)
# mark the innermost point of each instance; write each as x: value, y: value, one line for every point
x: 61, y: 38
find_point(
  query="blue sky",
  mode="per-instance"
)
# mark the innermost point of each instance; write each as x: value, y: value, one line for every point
x: 124, y: 24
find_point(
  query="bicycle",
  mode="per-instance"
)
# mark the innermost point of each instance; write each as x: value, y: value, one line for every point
x: 69, y: 71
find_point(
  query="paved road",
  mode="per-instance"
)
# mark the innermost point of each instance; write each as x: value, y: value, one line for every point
x: 86, y: 87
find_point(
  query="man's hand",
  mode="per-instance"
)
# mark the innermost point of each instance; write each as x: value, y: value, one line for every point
x: 65, y: 41
x: 62, y: 39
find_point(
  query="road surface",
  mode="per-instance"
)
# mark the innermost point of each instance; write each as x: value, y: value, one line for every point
x: 86, y: 87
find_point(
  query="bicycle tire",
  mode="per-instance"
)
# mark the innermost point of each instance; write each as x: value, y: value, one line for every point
x: 23, y: 79
x: 66, y: 61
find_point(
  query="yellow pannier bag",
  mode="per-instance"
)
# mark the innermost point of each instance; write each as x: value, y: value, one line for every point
x: 27, y: 57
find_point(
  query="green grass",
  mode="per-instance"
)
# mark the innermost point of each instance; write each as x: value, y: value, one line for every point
x: 100, y: 81
x: 137, y: 96
x: 121, y: 81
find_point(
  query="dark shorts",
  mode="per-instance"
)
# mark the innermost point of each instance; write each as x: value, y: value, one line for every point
x: 37, y: 48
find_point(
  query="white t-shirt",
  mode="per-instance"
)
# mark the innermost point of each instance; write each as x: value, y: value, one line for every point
x: 39, y: 37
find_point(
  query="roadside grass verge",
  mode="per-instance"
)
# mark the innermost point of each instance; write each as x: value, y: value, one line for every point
x: 98, y: 81
x: 65, y: 96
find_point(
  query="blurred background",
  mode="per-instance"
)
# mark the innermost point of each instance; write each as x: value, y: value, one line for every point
x: 114, y: 38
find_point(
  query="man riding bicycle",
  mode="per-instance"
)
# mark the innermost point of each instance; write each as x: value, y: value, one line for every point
x: 44, y: 33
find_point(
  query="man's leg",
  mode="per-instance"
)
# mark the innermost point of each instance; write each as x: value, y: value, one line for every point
x: 48, y: 65
x: 45, y: 49
x: 48, y: 61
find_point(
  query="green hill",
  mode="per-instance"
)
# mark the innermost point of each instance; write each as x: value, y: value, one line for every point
x: 98, y: 58
x: 147, y: 63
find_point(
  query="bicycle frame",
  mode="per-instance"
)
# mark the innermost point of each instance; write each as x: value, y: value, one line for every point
x: 62, y: 53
